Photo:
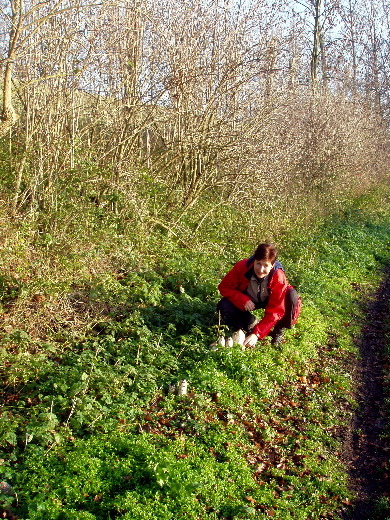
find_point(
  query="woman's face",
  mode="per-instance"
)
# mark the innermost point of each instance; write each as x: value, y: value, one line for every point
x: 262, y: 268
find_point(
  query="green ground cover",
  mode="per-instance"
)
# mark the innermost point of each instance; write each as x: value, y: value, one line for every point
x: 90, y: 431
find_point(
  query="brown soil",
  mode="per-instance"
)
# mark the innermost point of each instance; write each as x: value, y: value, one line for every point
x: 367, y: 444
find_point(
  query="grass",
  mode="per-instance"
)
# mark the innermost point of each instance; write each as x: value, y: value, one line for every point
x: 90, y: 431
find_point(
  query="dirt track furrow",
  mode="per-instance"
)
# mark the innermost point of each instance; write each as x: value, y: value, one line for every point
x: 367, y: 447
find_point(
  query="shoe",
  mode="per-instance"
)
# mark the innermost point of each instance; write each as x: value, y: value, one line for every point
x: 239, y: 337
x: 277, y: 336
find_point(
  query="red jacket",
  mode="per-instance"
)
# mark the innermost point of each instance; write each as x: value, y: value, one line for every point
x: 236, y: 281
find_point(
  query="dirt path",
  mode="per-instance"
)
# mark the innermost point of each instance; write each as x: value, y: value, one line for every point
x: 367, y: 448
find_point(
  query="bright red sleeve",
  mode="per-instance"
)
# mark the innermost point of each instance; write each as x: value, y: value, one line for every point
x: 276, y: 304
x: 234, y: 283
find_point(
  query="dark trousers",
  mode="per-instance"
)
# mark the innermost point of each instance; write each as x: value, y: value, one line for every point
x: 245, y: 320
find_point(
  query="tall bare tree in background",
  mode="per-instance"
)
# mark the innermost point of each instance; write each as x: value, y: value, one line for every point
x: 376, y: 63
x: 9, y: 116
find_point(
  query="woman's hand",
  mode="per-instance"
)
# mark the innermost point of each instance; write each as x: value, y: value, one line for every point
x: 249, y: 306
x: 251, y: 340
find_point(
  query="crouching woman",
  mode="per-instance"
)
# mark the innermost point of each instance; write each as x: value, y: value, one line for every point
x: 258, y: 282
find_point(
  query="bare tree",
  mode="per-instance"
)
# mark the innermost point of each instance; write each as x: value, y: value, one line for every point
x: 9, y: 116
x: 48, y: 54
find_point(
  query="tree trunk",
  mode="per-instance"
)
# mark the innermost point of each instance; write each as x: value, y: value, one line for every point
x: 9, y: 116
x: 316, y: 44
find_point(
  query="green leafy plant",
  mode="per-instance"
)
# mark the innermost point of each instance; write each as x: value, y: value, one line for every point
x: 257, y: 434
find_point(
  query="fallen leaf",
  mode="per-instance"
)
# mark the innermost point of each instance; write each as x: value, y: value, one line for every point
x: 250, y: 499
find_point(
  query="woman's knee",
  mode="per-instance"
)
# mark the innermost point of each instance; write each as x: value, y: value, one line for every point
x: 292, y: 296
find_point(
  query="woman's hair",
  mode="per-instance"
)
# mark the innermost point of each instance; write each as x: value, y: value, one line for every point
x: 266, y: 252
